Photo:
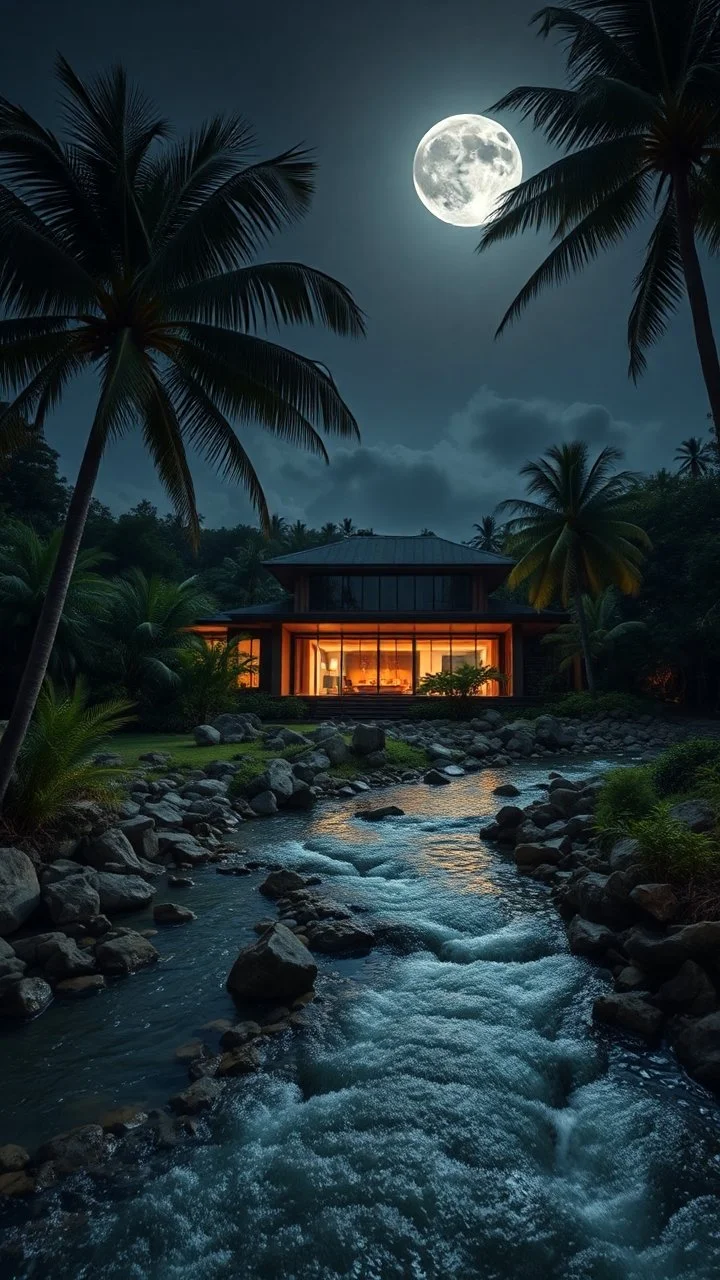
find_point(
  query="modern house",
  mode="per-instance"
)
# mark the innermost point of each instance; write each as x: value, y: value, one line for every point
x: 367, y: 617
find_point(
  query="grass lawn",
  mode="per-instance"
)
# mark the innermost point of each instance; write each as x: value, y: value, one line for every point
x: 183, y: 751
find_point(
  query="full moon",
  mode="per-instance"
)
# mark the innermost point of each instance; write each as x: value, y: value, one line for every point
x: 463, y: 166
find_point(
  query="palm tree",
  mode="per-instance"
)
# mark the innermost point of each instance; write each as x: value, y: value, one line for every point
x: 27, y: 565
x: 576, y: 539
x: 298, y: 536
x: 242, y: 578
x: 133, y: 259
x: 696, y: 457
x: 276, y: 531
x: 329, y: 532
x: 640, y: 125
x: 604, y: 624
x: 489, y: 535
x: 346, y: 527
x: 145, y: 629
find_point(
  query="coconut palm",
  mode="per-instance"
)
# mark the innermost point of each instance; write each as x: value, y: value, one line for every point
x: 489, y: 535
x: 576, y: 538
x: 329, y: 532
x: 696, y: 457
x: 145, y: 629
x: 640, y: 125
x: 242, y: 578
x: 27, y: 565
x: 298, y: 536
x: 131, y: 258
x: 346, y: 527
x: 605, y: 629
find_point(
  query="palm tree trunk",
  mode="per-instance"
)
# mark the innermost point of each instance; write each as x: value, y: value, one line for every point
x: 585, y: 641
x: 697, y: 296
x: 51, y: 613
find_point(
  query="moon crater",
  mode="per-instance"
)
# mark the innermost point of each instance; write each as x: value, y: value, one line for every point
x: 462, y: 167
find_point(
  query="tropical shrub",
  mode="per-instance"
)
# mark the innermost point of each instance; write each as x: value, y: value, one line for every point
x: 589, y: 706
x: 626, y: 794
x: 209, y: 678
x: 146, y: 630
x: 55, y: 767
x: 671, y: 851
x: 677, y: 769
x: 465, y: 682
x: 250, y: 764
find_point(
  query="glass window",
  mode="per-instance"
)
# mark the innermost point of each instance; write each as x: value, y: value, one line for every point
x: 406, y: 593
x: 371, y: 594
x: 352, y: 592
x: 460, y: 592
x: 388, y: 593
x: 359, y: 664
x: 248, y: 657
x: 442, y: 592
x: 396, y: 665
x: 423, y: 594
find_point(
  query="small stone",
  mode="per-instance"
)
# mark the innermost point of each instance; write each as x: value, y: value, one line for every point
x: 13, y: 1158
x: 171, y: 913
x: 122, y: 1120
x: 506, y: 789
x: 434, y: 778
x: 239, y: 1034
x: 79, y: 988
x: 200, y: 1096
x: 16, y: 1184
x: 180, y: 882
x: 191, y: 1050
x: 240, y: 1061
x: 589, y: 939
x: 378, y: 815
x: 218, y: 1024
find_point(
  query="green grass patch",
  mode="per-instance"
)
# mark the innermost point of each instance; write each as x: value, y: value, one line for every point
x: 184, y: 751
x: 627, y: 794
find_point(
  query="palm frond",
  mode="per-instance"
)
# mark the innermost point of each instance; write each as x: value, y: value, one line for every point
x: 658, y: 289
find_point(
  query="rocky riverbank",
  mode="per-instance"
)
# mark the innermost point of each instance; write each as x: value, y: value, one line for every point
x: 272, y: 982
x: 59, y: 935
x: 665, y: 968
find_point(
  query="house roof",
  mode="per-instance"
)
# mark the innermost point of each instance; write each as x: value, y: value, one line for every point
x: 389, y: 551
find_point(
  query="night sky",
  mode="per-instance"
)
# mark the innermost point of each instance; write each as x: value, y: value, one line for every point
x: 447, y: 415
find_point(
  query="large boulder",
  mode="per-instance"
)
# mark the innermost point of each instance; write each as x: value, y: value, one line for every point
x: 367, y: 738
x: 113, y: 847
x: 19, y: 889
x: 234, y: 727
x: 379, y: 815
x: 181, y: 847
x: 276, y: 777
x: 276, y: 967
x: 78, y: 1147
x: 589, y: 939
x: 629, y: 1012
x: 124, y: 953
x: 265, y: 804
x: 200, y: 1096
x: 690, y: 991
x: 24, y: 998
x: 206, y: 736
x: 60, y: 957
x: 71, y: 899
x: 625, y: 853
x: 697, y: 815
x: 278, y: 883
x: 434, y: 778
x: 167, y: 816
x: 698, y: 1048
x: 140, y: 831
x: 309, y: 766
x: 335, y: 748
x: 659, y: 900
x: 341, y: 937
x: 123, y: 893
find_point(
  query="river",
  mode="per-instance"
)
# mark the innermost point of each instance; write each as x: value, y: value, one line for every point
x: 450, y: 1113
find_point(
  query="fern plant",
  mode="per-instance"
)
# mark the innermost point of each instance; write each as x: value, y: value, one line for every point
x: 56, y: 767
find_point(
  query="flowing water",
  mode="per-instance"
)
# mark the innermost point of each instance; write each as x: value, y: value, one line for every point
x: 450, y: 1113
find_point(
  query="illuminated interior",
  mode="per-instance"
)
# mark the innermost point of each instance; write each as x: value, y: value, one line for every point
x: 379, y: 663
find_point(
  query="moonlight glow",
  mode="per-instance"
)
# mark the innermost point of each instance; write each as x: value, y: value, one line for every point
x: 462, y: 166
